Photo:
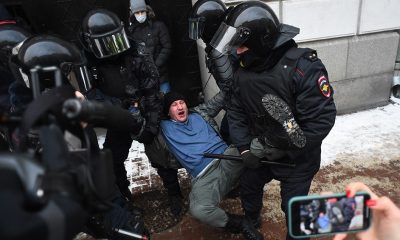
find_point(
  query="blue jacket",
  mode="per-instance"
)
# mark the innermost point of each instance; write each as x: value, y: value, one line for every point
x: 189, y: 140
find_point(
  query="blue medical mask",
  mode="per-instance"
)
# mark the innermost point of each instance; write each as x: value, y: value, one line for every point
x: 141, y: 18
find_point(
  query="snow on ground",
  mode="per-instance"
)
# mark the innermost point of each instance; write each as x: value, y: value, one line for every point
x: 374, y: 133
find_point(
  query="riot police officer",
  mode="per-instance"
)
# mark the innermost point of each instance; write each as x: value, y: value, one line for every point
x: 12, y: 32
x: 279, y: 89
x: 123, y: 76
x: 54, y: 69
x: 10, y: 35
x: 25, y: 214
x: 204, y: 20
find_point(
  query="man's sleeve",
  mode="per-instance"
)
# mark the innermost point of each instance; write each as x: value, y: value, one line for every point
x: 315, y: 109
x: 165, y: 43
x: 212, y: 107
x: 150, y: 101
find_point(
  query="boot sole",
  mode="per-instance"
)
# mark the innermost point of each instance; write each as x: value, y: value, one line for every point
x: 281, y: 112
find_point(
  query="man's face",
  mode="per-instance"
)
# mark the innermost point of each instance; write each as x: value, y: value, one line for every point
x: 178, y: 111
x: 140, y: 13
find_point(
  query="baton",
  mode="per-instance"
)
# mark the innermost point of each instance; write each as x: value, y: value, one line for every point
x: 239, y: 158
x: 130, y: 234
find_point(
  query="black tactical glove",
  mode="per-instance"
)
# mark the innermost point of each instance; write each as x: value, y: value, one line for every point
x: 146, y: 137
x: 250, y: 160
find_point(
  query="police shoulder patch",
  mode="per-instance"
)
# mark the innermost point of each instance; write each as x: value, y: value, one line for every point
x: 324, y: 87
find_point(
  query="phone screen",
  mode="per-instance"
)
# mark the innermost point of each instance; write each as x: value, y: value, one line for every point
x: 322, y: 215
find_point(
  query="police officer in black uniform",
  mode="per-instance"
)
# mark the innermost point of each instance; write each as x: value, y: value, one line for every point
x: 10, y: 35
x: 53, y: 69
x: 31, y: 210
x: 281, y: 95
x: 122, y: 75
x: 204, y: 20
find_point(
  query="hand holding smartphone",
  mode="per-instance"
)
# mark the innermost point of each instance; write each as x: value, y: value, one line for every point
x: 320, y: 215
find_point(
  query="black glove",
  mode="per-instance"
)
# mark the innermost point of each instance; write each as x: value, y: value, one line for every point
x: 146, y: 137
x: 250, y: 160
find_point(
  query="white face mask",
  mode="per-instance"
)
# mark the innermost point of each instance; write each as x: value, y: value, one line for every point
x: 141, y: 18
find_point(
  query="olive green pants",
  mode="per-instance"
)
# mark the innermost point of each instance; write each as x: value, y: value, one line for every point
x: 210, y: 188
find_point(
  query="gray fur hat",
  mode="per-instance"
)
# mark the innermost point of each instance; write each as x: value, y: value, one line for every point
x: 138, y: 5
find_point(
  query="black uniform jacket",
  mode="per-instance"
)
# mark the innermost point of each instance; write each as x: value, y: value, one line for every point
x: 123, y: 79
x: 301, y: 80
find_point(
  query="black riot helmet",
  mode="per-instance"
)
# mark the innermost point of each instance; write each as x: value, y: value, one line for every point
x: 104, y: 33
x: 46, y: 61
x: 10, y: 36
x: 205, y: 18
x: 254, y: 25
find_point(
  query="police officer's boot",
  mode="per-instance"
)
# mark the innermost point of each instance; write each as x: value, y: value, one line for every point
x: 175, y: 203
x: 171, y: 183
x: 282, y: 116
x: 254, y: 218
x: 240, y: 224
x: 234, y: 193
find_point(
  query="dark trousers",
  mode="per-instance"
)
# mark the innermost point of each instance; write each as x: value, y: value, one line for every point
x: 170, y: 180
x: 119, y: 143
x: 252, y: 189
x: 224, y: 130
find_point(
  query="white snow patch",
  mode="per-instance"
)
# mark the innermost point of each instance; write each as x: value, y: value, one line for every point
x: 372, y: 133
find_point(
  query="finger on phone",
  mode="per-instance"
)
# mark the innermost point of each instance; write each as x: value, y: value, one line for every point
x: 339, y: 236
x: 384, y: 204
x: 326, y: 193
x: 352, y: 188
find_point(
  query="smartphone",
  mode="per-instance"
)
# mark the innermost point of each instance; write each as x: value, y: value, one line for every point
x: 321, y: 215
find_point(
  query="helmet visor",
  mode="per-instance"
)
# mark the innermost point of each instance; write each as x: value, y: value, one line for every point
x: 196, y: 27
x: 79, y: 78
x: 228, y: 37
x: 110, y: 44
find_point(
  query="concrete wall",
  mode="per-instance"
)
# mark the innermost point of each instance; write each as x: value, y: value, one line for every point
x: 360, y: 68
x: 358, y: 41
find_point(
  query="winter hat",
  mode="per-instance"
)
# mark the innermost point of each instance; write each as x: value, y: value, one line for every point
x: 169, y: 98
x: 138, y: 5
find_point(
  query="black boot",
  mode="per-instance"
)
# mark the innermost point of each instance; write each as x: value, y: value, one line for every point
x: 234, y: 224
x: 171, y: 183
x: 237, y: 224
x: 234, y: 193
x: 255, y: 219
x: 283, y: 118
x: 175, y: 204
x: 126, y: 193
